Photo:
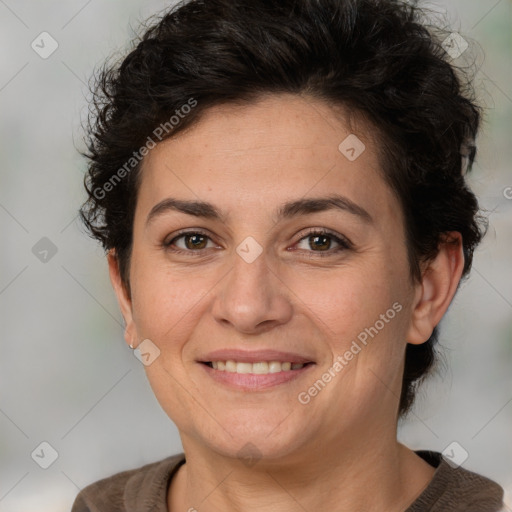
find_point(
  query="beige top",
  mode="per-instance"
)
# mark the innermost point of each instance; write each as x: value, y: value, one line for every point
x: 145, y: 489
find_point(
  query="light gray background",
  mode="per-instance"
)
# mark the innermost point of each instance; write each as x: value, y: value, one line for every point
x: 66, y: 375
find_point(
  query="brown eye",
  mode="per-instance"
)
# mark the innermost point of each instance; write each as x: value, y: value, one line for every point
x: 192, y: 241
x: 195, y: 241
x: 321, y: 242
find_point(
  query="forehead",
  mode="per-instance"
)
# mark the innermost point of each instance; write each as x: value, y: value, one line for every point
x: 258, y: 155
x: 279, y: 122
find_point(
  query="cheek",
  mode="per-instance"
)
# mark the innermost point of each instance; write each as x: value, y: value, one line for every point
x: 346, y: 300
x: 164, y: 301
x: 361, y: 314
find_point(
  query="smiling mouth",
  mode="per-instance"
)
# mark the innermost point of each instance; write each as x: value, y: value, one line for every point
x: 258, y: 368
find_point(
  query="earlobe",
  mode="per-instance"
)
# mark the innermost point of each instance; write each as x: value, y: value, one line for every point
x: 438, y: 286
x: 123, y: 298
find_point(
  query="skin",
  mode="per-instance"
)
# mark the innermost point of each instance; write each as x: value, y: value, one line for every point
x: 326, y: 454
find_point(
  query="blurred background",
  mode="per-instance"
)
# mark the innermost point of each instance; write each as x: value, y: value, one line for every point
x: 67, y: 378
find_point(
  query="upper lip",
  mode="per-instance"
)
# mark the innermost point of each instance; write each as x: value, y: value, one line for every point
x: 254, y: 356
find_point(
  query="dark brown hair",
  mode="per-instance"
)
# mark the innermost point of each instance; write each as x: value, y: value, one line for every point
x: 376, y: 58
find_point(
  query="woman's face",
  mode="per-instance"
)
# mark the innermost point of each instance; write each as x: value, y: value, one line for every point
x: 258, y: 278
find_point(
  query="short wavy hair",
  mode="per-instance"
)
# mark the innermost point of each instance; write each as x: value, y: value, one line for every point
x: 378, y: 59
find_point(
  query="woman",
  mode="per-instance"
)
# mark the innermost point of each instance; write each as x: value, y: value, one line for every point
x: 280, y: 187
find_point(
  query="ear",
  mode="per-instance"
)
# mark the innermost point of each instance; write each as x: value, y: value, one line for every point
x: 439, y: 283
x: 123, y: 298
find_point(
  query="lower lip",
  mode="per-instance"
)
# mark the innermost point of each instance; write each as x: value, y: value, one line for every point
x: 253, y: 381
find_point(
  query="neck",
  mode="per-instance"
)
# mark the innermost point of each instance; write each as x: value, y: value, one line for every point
x: 382, y: 475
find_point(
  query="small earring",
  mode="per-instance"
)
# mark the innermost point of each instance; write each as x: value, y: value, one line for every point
x: 131, y: 346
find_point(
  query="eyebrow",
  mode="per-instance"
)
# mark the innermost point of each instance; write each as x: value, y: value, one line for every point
x: 288, y: 210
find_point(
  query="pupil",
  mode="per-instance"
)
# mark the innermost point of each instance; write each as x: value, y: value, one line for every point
x: 321, y: 246
x: 195, y: 245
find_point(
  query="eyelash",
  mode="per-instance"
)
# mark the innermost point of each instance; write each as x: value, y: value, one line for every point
x: 344, y: 244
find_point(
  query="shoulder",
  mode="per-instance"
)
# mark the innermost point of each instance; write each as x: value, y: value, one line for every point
x: 456, y: 489
x: 139, y: 489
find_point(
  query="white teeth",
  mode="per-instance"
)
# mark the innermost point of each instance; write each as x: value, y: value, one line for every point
x: 243, y: 367
x: 260, y: 368
x: 231, y: 366
x: 274, y: 367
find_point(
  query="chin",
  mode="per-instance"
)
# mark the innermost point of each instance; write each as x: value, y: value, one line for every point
x: 251, y: 445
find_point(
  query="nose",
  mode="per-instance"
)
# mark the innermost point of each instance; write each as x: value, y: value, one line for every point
x: 252, y: 298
